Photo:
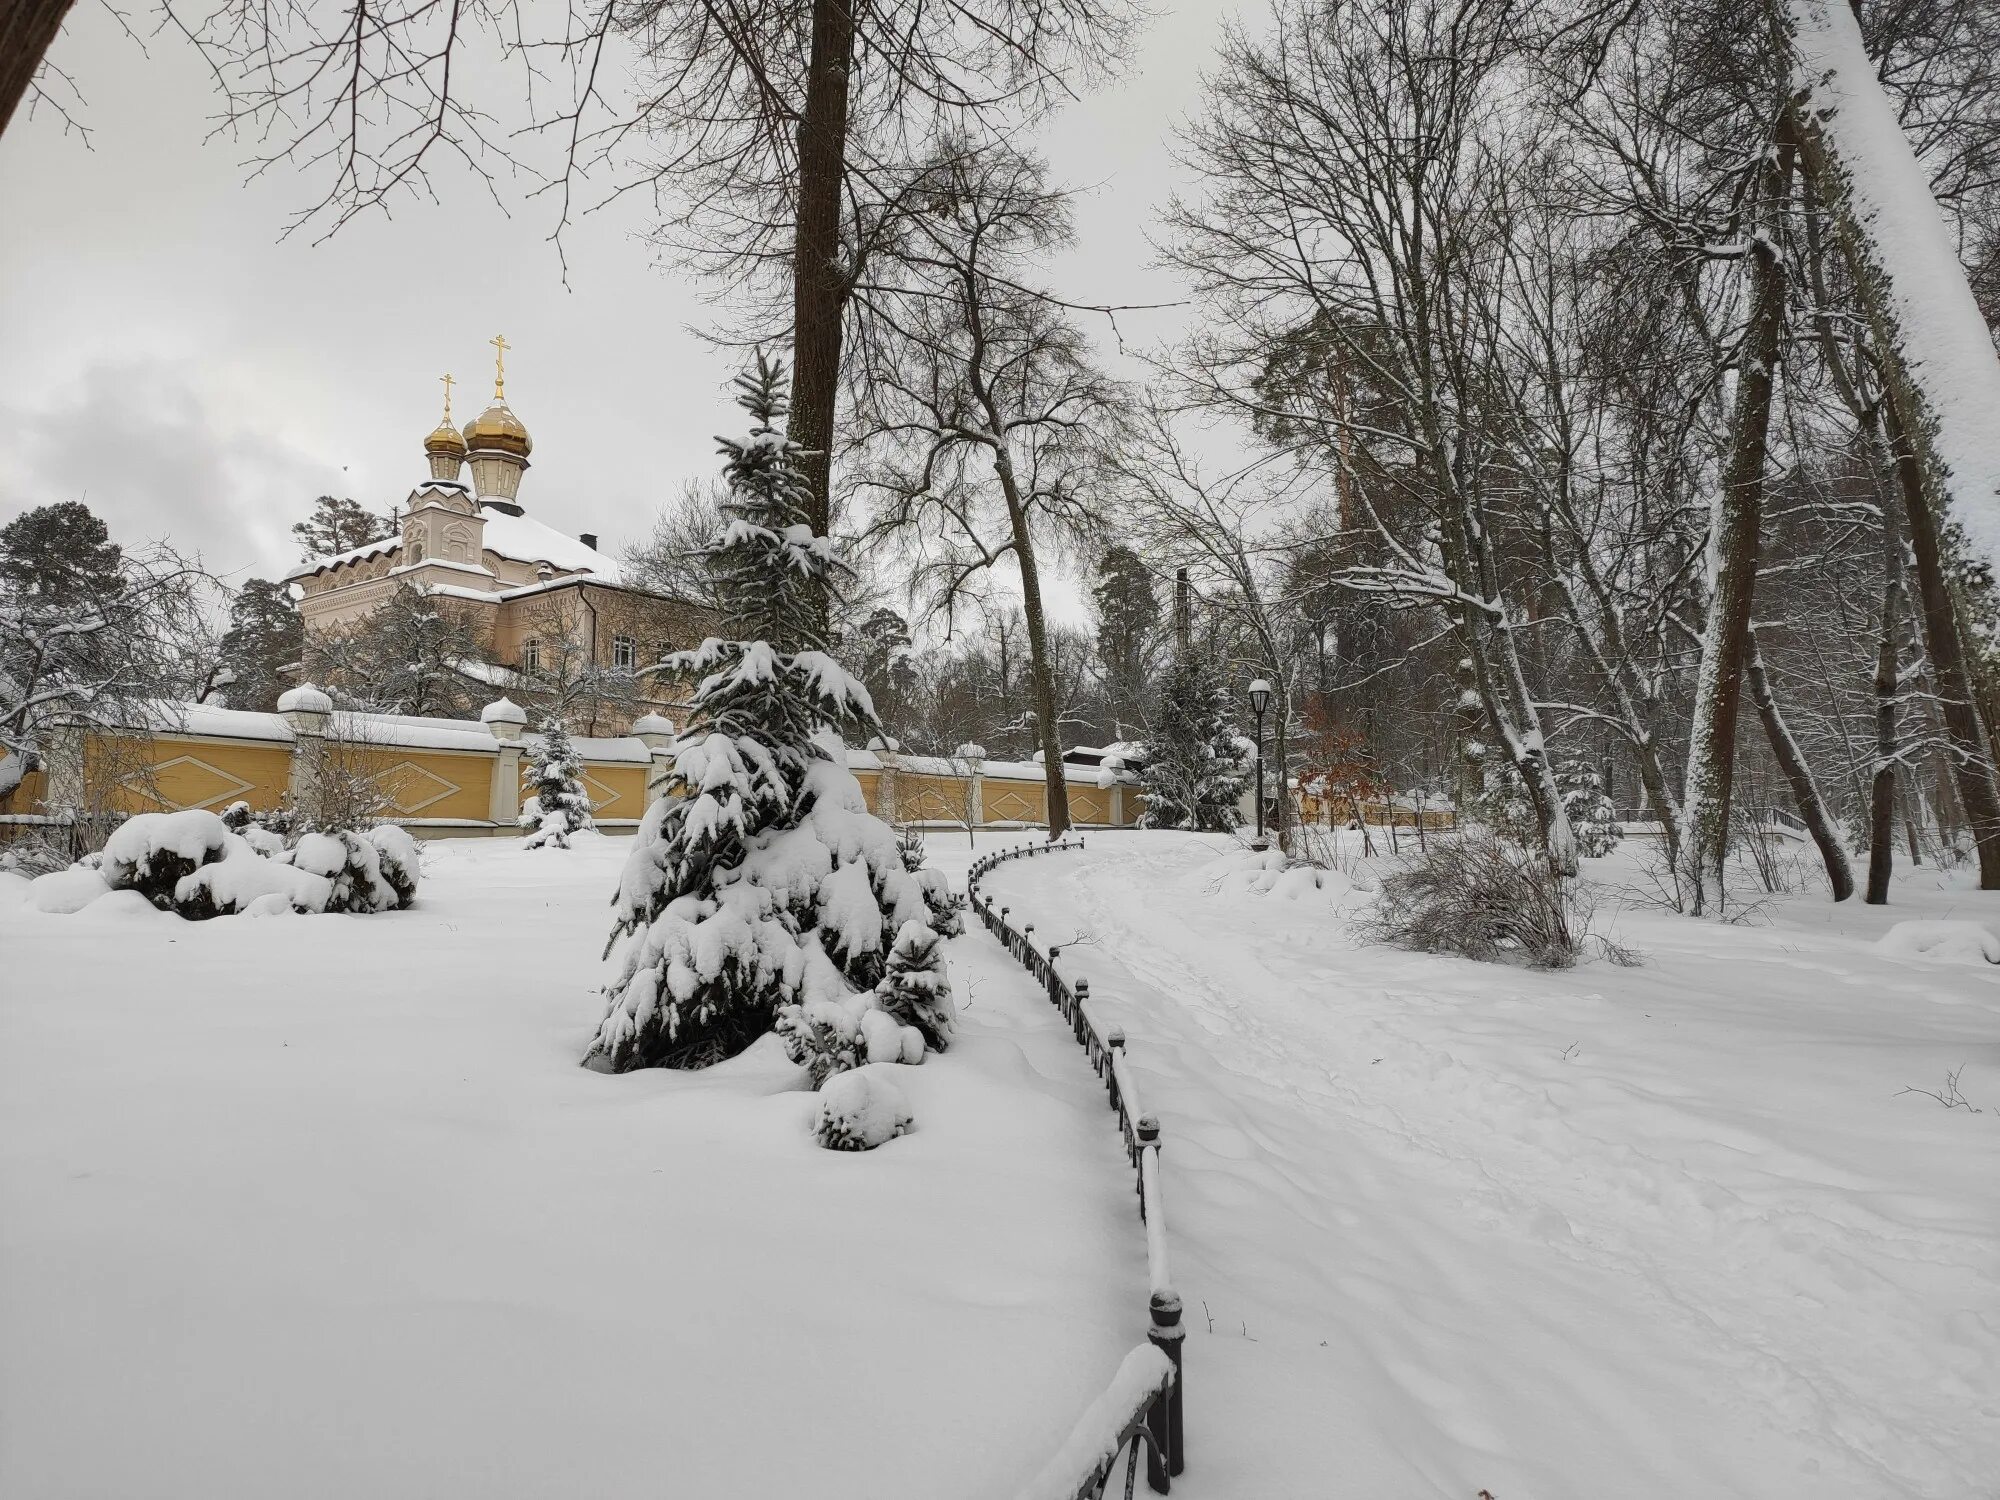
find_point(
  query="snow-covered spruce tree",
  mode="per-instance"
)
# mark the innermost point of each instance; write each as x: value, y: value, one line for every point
x: 559, y: 805
x: 1591, y: 812
x: 915, y: 989
x: 1197, y: 763
x: 760, y: 880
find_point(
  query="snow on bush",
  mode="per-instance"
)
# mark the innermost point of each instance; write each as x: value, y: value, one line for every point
x: 153, y: 852
x: 64, y: 891
x: 861, y: 1110
x: 231, y: 886
x: 559, y: 806
x: 1948, y: 941
x: 1484, y: 899
x: 193, y: 863
x: 761, y: 881
x: 914, y: 989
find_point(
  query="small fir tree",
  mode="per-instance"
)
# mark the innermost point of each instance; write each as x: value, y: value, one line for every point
x: 1197, y: 762
x: 761, y: 880
x: 915, y: 989
x: 559, y: 805
x: 1591, y: 812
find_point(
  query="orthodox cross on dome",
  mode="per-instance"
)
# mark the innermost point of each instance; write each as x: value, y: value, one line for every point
x: 448, y: 384
x: 500, y: 348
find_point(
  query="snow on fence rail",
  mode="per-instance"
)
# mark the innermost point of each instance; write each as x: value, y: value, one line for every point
x: 1142, y: 1405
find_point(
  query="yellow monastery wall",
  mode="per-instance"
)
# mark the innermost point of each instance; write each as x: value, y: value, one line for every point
x: 451, y: 787
x: 168, y: 772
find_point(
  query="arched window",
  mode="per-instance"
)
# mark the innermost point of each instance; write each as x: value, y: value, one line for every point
x: 531, y: 654
x: 415, y: 550
x: 624, y: 653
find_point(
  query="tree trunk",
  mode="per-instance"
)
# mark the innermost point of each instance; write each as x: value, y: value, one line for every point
x: 820, y: 282
x: 1798, y: 775
x: 1971, y: 771
x: 28, y: 28
x: 1882, y: 786
x: 1055, y: 785
x: 1735, y: 537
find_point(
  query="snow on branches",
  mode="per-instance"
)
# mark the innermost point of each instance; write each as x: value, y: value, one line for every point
x: 760, y: 886
x: 559, y: 805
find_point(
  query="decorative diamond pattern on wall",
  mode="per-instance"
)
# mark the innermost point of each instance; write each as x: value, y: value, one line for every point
x: 187, y: 781
x: 600, y: 795
x: 409, y: 788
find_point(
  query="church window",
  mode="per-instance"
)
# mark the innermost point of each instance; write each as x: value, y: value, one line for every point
x: 624, y: 653
x: 415, y: 550
x: 531, y: 654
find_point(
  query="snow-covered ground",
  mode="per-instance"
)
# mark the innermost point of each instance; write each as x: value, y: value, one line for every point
x: 324, y: 1206
x: 1659, y: 1232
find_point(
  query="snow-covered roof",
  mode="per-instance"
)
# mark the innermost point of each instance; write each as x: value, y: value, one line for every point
x: 353, y: 554
x: 416, y: 731
x: 524, y: 539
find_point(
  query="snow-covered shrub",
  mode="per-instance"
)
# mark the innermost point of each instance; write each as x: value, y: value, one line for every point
x: 152, y: 853
x: 910, y: 845
x: 1483, y: 898
x: 236, y: 883
x: 559, y: 805
x: 352, y: 865
x: 1592, y: 817
x: 1502, y: 804
x: 947, y: 907
x: 823, y: 1037
x: 914, y: 989
x: 861, y: 1110
x: 62, y: 892
x: 398, y: 854
x: 761, y: 880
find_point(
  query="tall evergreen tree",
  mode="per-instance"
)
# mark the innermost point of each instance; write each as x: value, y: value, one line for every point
x: 1127, y: 606
x: 1197, y: 762
x: 760, y: 880
x: 264, y: 637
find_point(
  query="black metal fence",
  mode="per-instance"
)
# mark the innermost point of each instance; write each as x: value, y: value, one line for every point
x: 1142, y: 1407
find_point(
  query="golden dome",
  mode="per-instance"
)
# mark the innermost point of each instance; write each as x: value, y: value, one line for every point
x: 444, y: 438
x: 498, y: 427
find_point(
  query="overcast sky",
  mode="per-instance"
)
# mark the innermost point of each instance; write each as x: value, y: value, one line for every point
x: 166, y: 358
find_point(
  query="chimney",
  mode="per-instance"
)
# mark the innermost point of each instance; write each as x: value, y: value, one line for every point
x: 589, y: 539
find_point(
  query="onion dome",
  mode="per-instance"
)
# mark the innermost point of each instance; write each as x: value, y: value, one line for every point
x: 444, y: 440
x: 498, y: 428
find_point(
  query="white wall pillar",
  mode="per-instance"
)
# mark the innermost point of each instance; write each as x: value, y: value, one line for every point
x: 309, y: 712
x: 504, y: 720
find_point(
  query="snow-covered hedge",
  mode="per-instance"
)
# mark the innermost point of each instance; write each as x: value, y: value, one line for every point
x: 861, y: 1110
x: 193, y: 863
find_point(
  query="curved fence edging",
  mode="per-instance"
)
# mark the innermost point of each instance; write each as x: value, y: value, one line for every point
x: 1131, y: 1413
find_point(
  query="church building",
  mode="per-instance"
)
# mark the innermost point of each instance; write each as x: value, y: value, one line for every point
x: 559, y: 626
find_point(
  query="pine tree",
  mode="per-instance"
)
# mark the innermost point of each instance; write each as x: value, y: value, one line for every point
x: 1127, y: 607
x: 559, y: 806
x: 337, y: 526
x: 1591, y: 812
x: 264, y: 637
x: 915, y: 989
x: 760, y: 880
x: 1197, y: 762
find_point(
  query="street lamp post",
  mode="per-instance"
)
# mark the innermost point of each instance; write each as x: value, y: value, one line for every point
x: 1260, y: 699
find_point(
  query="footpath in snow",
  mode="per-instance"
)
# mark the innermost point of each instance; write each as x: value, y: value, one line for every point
x: 325, y: 1206
x: 1659, y: 1232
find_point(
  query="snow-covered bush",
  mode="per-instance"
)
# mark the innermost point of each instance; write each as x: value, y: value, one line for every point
x: 152, y: 853
x: 1592, y: 816
x: 232, y: 885
x: 1483, y: 898
x: 947, y: 907
x: 830, y: 1037
x: 914, y: 989
x: 192, y: 863
x: 761, y: 880
x: 861, y: 1110
x: 353, y: 866
x: 559, y: 805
